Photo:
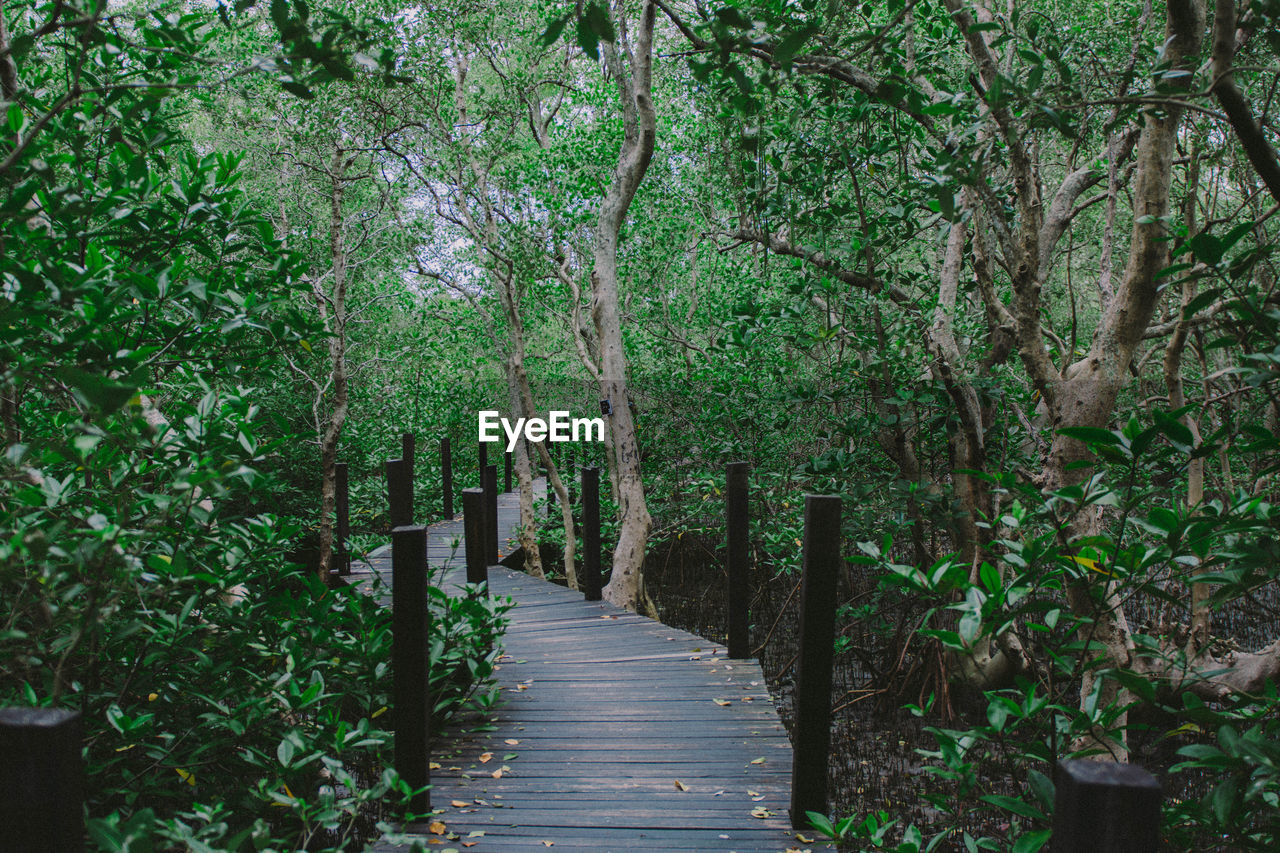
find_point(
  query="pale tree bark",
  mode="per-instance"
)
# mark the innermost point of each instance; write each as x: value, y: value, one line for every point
x: 1201, y: 618
x: 510, y: 292
x: 333, y: 307
x: 630, y: 63
x: 517, y: 381
x: 1086, y: 396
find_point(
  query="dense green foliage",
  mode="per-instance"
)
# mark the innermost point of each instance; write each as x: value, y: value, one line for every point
x: 153, y: 461
x: 1004, y: 278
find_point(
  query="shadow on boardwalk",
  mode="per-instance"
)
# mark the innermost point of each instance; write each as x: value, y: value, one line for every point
x: 614, y: 733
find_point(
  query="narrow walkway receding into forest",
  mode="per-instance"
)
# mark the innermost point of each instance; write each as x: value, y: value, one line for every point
x: 613, y: 732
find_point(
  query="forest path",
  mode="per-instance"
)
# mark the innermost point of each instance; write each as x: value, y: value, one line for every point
x: 614, y: 732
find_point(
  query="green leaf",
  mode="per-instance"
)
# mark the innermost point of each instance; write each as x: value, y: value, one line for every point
x: 1091, y: 435
x: 1012, y: 804
x: 1030, y: 842
x: 786, y: 50
x: 821, y: 824
x: 554, y: 28
x: 731, y: 17
x: 285, y: 751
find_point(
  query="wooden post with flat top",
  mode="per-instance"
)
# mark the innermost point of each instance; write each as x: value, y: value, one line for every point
x: 817, y: 645
x: 42, y: 782
x: 739, y: 560
x: 591, y: 534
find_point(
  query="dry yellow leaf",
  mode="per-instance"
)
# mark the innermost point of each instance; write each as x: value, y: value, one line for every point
x: 761, y: 812
x: 436, y: 827
x: 485, y: 757
x: 459, y: 804
x: 721, y: 702
x: 511, y: 742
x: 548, y: 844
x: 681, y: 786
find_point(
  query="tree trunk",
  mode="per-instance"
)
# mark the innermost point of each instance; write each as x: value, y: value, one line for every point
x: 626, y: 584
x: 337, y: 302
x: 517, y: 382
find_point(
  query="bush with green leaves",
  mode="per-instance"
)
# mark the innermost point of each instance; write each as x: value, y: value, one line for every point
x: 1152, y: 549
x: 230, y: 700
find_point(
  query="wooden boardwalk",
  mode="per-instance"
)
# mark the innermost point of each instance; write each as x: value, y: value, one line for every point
x: 614, y: 733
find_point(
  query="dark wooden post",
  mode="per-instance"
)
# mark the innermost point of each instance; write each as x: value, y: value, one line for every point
x: 506, y: 471
x: 573, y: 475
x: 473, y: 526
x: 407, y: 443
x: 1104, y: 807
x: 817, y: 643
x: 41, y: 779
x: 591, y: 534
x: 446, y: 477
x: 399, y: 493
x: 410, y: 622
x: 739, y: 568
x: 552, y: 497
x: 342, y: 506
x: 491, y: 515
x: 482, y: 461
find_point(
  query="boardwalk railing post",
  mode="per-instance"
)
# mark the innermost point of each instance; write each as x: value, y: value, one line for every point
x: 737, y: 525
x: 473, y: 526
x: 407, y: 443
x: 817, y: 642
x: 506, y: 471
x: 573, y: 475
x: 1104, y: 807
x: 342, y: 508
x: 410, y: 621
x: 591, y: 533
x: 551, y: 493
x: 491, y: 514
x: 42, y: 779
x: 482, y: 461
x: 399, y: 493
x: 446, y: 477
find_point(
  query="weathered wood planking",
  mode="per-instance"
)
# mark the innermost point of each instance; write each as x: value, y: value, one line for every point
x: 629, y: 735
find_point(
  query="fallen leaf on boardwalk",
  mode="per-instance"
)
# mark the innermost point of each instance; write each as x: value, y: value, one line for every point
x: 718, y: 793
x: 759, y: 760
x: 608, y: 616
x: 798, y: 850
x: 722, y: 702
x: 433, y: 765
x: 436, y: 827
x: 511, y: 742
x: 459, y: 804
x: 485, y: 757
x: 754, y: 794
x: 681, y: 786
x: 510, y: 755
x: 761, y: 812
x: 467, y: 844
x: 548, y: 844
x: 479, y: 833
x: 803, y: 839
